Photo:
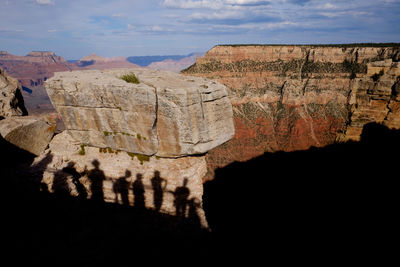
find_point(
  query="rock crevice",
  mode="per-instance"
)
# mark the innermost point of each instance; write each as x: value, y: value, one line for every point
x: 165, y: 115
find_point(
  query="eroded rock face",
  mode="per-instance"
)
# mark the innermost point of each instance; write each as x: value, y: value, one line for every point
x: 374, y: 98
x: 11, y: 100
x: 286, y: 98
x: 25, y: 132
x: 166, y: 114
x: 161, y: 184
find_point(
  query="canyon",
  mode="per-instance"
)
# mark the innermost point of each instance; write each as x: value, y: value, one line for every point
x: 264, y: 157
x: 36, y: 67
x: 294, y: 97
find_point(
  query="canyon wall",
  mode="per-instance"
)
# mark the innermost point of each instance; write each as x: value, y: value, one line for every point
x: 288, y: 98
x: 34, y: 68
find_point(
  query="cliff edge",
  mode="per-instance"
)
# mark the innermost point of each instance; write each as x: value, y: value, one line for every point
x: 293, y: 97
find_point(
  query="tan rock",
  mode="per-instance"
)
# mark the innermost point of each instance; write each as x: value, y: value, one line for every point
x: 28, y: 133
x: 375, y: 99
x: 166, y: 114
x: 11, y: 100
x: 134, y: 174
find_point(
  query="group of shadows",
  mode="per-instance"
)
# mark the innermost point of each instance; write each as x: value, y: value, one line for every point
x: 185, y: 207
x: 335, y: 204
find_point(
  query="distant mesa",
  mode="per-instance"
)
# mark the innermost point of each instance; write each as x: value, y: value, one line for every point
x: 176, y: 65
x: 173, y: 63
x: 98, y: 62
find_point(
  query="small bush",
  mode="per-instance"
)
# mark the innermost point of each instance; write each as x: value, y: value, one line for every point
x: 130, y: 78
x: 82, y: 150
x: 377, y: 76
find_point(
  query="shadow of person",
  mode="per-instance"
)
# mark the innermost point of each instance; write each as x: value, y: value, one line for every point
x: 80, y: 188
x: 193, y: 217
x: 37, y: 170
x: 60, y: 185
x: 158, y: 184
x: 181, y: 195
x: 138, y: 192
x: 121, y: 187
x: 96, y: 177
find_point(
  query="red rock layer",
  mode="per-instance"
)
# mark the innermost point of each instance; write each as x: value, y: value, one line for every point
x: 33, y: 69
x: 285, y: 98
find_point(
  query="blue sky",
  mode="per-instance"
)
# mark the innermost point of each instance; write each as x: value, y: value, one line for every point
x: 75, y: 28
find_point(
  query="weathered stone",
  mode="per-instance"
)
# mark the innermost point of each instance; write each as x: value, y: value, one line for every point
x: 11, y: 100
x: 374, y: 100
x: 166, y: 114
x: 292, y: 97
x: 28, y: 133
x: 122, y: 177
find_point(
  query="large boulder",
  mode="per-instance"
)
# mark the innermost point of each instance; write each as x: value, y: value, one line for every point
x: 166, y: 114
x: 28, y: 133
x: 11, y: 100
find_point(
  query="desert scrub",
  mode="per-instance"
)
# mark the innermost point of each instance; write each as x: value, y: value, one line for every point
x: 106, y: 133
x: 377, y: 76
x: 130, y: 78
x: 82, y: 150
x: 140, y: 157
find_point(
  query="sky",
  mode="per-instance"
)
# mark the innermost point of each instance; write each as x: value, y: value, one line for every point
x: 109, y: 28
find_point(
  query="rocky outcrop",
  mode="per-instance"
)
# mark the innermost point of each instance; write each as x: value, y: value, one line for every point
x: 25, y: 132
x: 11, y: 100
x: 287, y: 97
x: 172, y: 186
x: 28, y: 133
x: 166, y: 114
x: 374, y: 98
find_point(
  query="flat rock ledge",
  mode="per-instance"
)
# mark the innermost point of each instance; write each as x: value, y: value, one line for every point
x: 166, y: 114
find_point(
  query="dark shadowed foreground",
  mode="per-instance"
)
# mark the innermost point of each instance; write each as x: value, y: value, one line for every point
x: 332, y: 204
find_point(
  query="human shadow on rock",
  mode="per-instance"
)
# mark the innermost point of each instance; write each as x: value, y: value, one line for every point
x: 43, y: 227
x: 342, y: 193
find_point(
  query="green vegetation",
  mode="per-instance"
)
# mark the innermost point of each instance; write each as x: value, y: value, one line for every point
x: 130, y: 78
x: 377, y: 76
x: 82, y: 150
x: 140, y: 157
x: 138, y: 135
x: 108, y: 150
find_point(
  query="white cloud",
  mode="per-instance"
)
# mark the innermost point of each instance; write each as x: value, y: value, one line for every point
x: 212, y: 4
x: 44, y: 2
x: 216, y: 15
x: 156, y: 28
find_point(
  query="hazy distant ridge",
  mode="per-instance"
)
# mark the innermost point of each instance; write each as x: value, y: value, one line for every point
x: 144, y: 61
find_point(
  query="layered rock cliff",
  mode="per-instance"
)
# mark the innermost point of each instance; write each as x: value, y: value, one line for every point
x: 293, y: 97
x: 34, y: 68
